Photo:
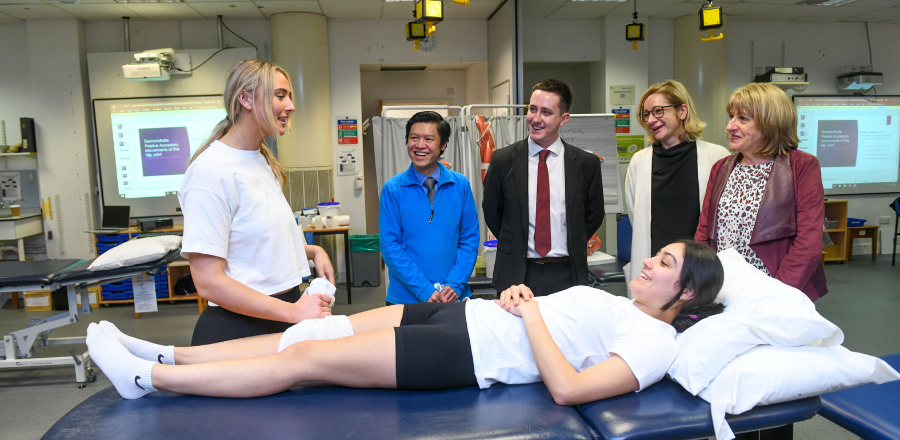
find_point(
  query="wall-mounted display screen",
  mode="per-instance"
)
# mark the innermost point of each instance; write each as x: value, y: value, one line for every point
x: 144, y: 146
x: 855, y: 138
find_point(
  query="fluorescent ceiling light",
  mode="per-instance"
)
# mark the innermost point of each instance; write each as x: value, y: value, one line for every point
x: 391, y: 1
x: 825, y: 2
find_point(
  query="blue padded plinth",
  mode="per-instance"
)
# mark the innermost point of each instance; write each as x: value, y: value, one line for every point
x: 870, y: 411
x: 507, y: 412
x: 666, y: 411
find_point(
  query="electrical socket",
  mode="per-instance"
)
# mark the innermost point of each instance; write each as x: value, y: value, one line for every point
x: 885, y: 219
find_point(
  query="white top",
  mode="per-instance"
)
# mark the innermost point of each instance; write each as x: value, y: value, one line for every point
x: 557, y: 175
x: 234, y: 209
x: 587, y: 324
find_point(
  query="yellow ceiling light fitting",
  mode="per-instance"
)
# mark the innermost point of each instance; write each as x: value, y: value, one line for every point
x: 634, y: 31
x: 710, y: 18
x: 415, y: 32
x: 465, y: 2
x: 431, y: 11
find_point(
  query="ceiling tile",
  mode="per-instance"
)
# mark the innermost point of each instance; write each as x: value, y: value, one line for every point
x: 234, y: 2
x: 877, y: 3
x: 879, y: 16
x: 8, y: 19
x: 584, y: 9
x: 97, y: 12
x: 476, y: 9
x: 351, y: 8
x: 644, y: 8
x: 841, y: 11
x: 748, y: 9
x: 678, y: 11
x: 786, y: 13
x: 773, y: 2
x: 538, y: 9
x: 20, y: 2
x: 400, y: 10
x: 228, y: 9
x: 278, y: 6
x: 164, y: 11
x: 29, y: 11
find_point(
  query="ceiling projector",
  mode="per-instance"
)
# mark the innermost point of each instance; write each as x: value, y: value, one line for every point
x: 151, y: 65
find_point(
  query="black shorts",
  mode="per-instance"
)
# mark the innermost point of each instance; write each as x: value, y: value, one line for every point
x: 217, y: 324
x: 433, y: 349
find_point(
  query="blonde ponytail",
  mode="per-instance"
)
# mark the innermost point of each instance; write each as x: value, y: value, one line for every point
x: 219, y: 131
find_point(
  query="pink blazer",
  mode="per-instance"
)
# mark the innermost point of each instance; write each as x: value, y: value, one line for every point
x: 787, y: 236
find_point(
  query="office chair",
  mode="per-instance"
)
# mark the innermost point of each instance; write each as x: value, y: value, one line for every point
x: 895, y: 205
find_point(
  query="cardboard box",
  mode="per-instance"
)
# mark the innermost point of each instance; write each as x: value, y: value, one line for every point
x: 93, y: 294
x: 40, y: 301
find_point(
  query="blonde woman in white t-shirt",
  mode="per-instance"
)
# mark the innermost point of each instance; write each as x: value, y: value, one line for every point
x: 247, y: 254
x: 585, y: 344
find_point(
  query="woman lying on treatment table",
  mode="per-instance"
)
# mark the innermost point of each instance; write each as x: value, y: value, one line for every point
x: 585, y: 344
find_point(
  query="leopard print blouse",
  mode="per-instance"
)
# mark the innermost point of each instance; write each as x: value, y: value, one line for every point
x: 738, y: 208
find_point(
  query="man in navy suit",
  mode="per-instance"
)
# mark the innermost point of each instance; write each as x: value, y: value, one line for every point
x: 543, y: 199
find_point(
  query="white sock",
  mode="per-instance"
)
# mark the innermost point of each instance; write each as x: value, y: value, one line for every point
x: 329, y: 327
x: 128, y: 373
x: 148, y: 351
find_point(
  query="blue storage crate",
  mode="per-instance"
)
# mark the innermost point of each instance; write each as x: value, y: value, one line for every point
x: 115, y: 288
x: 161, y: 277
x: 109, y: 296
x: 855, y: 222
x: 162, y: 293
x: 103, y: 247
x: 111, y: 238
x: 129, y: 294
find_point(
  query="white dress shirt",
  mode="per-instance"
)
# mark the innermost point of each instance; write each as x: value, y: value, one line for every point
x: 556, y: 173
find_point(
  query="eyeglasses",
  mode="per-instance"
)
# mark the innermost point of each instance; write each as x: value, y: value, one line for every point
x: 657, y: 111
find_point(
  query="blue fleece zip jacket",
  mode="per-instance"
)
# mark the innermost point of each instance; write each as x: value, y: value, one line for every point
x: 422, y: 247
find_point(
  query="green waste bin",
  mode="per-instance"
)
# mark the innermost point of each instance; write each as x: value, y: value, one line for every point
x: 365, y: 252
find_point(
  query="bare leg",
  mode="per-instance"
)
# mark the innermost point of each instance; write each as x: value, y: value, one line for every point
x: 375, y: 319
x: 255, y: 346
x: 365, y: 360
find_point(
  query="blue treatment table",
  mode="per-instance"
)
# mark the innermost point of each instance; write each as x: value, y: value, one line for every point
x: 507, y: 412
x: 15, y: 276
x: 666, y: 411
x: 870, y: 411
x: 662, y: 411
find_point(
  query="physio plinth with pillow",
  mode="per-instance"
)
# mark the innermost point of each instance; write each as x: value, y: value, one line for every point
x: 135, y: 257
x: 760, y: 364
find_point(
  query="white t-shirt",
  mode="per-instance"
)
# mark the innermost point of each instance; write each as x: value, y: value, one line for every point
x: 234, y: 209
x: 587, y: 324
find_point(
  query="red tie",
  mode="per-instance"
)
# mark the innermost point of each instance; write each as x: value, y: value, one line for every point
x: 542, y: 236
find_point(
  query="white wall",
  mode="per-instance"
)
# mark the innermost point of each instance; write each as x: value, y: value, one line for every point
x: 501, y: 55
x: 15, y: 84
x: 355, y: 42
x: 57, y: 68
x: 562, y: 40
x: 109, y: 36
x: 820, y: 49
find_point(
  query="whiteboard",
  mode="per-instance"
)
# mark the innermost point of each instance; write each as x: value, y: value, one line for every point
x: 597, y: 134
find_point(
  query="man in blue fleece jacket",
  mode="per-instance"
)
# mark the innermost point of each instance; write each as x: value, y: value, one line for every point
x: 428, y: 221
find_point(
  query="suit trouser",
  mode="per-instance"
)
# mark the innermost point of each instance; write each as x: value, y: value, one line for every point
x: 546, y: 278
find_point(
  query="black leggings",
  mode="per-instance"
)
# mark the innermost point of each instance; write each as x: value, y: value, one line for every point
x: 217, y: 324
x: 433, y: 349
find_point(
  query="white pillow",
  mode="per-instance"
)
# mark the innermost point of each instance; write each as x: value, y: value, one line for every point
x: 137, y: 251
x: 767, y: 375
x: 758, y: 310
